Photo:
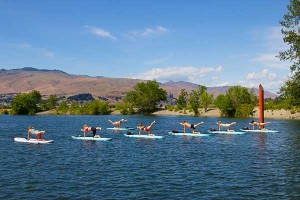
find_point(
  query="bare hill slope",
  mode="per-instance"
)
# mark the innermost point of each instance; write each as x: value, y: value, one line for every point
x: 60, y: 83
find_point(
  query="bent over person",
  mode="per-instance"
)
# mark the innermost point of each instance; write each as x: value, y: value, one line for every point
x: 92, y: 129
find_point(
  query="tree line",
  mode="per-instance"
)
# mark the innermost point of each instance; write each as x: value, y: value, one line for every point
x: 145, y: 99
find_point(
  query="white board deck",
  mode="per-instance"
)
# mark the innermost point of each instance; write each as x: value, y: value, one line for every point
x: 259, y: 131
x: 34, y: 141
x: 145, y: 136
x: 190, y: 134
x: 120, y: 129
x: 91, y: 138
x: 226, y: 132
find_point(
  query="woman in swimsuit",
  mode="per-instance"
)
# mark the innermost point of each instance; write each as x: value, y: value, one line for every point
x: 220, y: 124
x: 192, y: 126
x: 260, y: 125
x: 38, y: 133
x: 117, y: 124
x: 91, y: 129
x: 148, y: 129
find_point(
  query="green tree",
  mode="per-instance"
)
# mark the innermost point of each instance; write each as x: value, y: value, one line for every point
x: 237, y: 102
x: 146, y: 96
x: 25, y: 104
x: 63, y: 107
x: 125, y: 107
x: 194, y: 101
x: 182, y: 99
x: 74, y: 108
x: 291, y: 32
x: 52, y: 101
x: 206, y: 100
x: 201, y: 89
x: 224, y: 104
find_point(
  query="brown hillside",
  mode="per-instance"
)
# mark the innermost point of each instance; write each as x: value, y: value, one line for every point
x: 50, y: 82
x: 60, y: 83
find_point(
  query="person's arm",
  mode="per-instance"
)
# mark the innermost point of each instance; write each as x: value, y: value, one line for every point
x: 84, y: 132
x: 28, y: 135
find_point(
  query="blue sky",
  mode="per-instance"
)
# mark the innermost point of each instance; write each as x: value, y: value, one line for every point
x: 208, y: 42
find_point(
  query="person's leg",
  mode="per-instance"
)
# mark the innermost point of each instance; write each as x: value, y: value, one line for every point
x: 94, y: 131
x: 196, y: 125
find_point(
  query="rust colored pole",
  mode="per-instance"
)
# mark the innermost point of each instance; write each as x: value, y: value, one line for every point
x: 261, y: 105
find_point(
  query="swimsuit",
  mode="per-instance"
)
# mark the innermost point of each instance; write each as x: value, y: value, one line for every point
x: 34, y: 131
x: 146, y: 129
x: 193, y: 126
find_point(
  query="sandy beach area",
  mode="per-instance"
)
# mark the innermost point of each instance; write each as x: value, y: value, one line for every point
x: 214, y: 112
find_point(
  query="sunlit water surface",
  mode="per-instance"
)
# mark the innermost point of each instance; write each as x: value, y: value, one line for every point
x: 249, y: 166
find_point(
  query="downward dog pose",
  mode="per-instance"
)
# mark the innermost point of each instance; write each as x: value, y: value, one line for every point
x: 260, y: 125
x: 192, y: 126
x: 117, y: 124
x: 38, y: 133
x: 226, y: 126
x: 91, y: 129
x: 148, y: 129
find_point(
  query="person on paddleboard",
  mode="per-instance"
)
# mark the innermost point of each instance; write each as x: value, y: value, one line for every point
x: 260, y: 125
x: 192, y: 126
x: 148, y: 129
x: 92, y: 129
x: 117, y: 124
x: 33, y: 131
x: 220, y: 124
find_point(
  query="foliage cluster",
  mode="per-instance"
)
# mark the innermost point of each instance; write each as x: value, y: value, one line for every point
x: 195, y: 100
x: 96, y: 107
x: 291, y: 31
x: 144, y: 99
x: 26, y: 104
x: 237, y: 102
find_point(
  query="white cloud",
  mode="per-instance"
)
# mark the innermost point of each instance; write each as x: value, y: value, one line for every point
x: 269, y: 80
x: 41, y: 51
x: 147, y: 32
x: 154, y: 31
x: 271, y: 60
x: 263, y: 75
x: 222, y: 84
x: 188, y: 73
x: 100, y: 32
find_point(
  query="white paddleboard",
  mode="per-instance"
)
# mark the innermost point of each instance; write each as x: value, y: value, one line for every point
x: 145, y: 136
x: 120, y: 129
x: 34, y: 141
x: 91, y: 138
x: 226, y: 132
x: 190, y: 134
x: 259, y: 131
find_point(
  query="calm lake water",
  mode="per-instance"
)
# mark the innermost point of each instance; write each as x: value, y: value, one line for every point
x: 249, y: 166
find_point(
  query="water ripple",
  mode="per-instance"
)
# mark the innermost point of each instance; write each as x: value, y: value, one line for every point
x: 250, y: 166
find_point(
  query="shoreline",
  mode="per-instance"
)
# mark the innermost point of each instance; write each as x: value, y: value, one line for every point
x: 212, y: 112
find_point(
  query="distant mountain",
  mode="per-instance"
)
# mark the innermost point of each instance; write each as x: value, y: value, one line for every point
x: 175, y: 87
x: 57, y: 82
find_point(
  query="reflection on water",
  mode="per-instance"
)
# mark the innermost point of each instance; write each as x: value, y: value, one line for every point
x: 251, y: 166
